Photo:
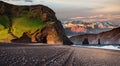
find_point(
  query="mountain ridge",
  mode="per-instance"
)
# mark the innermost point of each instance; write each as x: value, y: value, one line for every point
x: 108, y: 37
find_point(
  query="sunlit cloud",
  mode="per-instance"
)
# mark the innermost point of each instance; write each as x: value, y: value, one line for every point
x: 98, y: 18
x: 108, y: 9
x: 78, y: 18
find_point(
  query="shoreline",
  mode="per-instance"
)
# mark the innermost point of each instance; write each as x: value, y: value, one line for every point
x: 54, y: 55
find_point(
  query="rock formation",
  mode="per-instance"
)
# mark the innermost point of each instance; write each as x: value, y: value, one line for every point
x: 23, y: 39
x: 85, y: 41
x: 50, y: 30
x: 109, y: 37
x: 99, y: 42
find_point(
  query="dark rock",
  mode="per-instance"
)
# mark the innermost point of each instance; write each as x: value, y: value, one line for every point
x: 85, y: 41
x: 99, y: 41
x: 23, y: 39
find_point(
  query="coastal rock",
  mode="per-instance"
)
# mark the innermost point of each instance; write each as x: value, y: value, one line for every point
x: 50, y: 30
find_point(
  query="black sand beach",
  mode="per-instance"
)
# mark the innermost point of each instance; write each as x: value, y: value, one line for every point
x: 53, y: 55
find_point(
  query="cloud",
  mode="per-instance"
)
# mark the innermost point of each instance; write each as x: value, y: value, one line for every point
x: 110, y: 9
x: 98, y: 18
x: 24, y: 2
x: 71, y: 8
x: 78, y: 18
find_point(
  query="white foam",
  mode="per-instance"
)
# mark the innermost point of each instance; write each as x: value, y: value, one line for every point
x: 108, y: 47
x: 102, y: 47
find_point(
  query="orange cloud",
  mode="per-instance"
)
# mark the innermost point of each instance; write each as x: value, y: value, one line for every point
x: 98, y: 18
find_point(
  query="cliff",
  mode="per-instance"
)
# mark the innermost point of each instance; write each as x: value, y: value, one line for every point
x: 109, y: 37
x: 36, y: 23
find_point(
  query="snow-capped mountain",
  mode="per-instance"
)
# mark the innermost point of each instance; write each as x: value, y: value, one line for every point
x: 93, y: 24
x: 79, y: 27
x: 106, y: 24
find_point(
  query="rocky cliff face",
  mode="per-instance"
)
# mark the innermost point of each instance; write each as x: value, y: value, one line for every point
x: 109, y: 37
x: 36, y: 23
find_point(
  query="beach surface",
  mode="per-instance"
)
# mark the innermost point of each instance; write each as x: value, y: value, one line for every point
x: 56, y: 55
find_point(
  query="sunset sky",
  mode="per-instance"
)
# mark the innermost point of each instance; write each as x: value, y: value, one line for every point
x: 86, y: 10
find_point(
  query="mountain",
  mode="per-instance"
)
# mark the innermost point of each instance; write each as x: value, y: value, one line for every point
x: 92, y: 24
x: 108, y: 37
x: 30, y: 23
x: 79, y: 27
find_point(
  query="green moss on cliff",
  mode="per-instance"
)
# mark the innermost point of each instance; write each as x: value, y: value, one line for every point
x: 4, y: 27
x: 4, y: 35
x: 25, y: 24
x: 22, y: 24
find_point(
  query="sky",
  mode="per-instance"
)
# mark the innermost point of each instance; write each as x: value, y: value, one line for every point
x: 85, y: 10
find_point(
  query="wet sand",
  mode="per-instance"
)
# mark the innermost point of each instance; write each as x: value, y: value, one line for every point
x: 53, y: 55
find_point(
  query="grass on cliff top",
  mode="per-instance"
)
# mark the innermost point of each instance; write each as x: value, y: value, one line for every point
x: 25, y: 24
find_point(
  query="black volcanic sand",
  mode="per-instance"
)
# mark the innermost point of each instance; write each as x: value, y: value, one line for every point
x: 51, y: 55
